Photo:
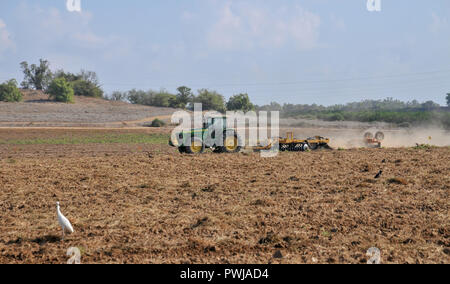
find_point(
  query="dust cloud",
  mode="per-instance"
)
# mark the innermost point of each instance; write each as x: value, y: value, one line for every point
x: 351, y: 134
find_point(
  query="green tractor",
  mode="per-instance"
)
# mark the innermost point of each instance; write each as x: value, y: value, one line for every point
x: 213, y: 135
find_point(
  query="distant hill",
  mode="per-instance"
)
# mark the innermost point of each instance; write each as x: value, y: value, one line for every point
x: 37, y: 110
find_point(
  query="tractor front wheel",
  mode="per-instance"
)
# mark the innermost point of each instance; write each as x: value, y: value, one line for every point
x: 196, y: 147
x: 231, y: 143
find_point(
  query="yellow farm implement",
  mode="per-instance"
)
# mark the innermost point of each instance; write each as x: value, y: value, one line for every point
x: 291, y: 144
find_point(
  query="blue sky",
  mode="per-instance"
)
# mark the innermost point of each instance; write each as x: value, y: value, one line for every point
x: 311, y: 51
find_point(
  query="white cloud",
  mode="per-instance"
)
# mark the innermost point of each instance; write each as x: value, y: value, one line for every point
x: 6, y: 42
x: 244, y: 26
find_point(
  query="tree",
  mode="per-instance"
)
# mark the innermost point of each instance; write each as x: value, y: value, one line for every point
x: 138, y: 97
x: 240, y: 102
x: 61, y: 91
x: 87, y: 89
x: 430, y: 105
x: 85, y: 83
x: 89, y: 76
x: 37, y: 77
x: 9, y: 92
x: 448, y: 99
x: 117, y: 96
x: 210, y: 100
x: 184, y: 97
x: 70, y: 77
x: 163, y: 99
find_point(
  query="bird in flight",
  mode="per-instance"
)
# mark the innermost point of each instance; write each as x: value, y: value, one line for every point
x: 63, y: 221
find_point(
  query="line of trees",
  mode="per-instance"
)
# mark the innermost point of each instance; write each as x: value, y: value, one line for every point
x: 388, y: 110
x: 389, y: 104
x: 185, y: 99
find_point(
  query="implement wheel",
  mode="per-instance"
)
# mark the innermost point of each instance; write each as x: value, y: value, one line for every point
x: 379, y: 136
x: 313, y: 146
x: 368, y: 135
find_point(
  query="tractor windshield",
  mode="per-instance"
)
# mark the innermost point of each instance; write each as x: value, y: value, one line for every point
x: 215, y: 121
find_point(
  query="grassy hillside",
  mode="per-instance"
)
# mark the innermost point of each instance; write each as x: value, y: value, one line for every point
x: 37, y: 110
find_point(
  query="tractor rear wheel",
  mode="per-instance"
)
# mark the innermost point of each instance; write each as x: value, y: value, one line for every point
x: 182, y: 149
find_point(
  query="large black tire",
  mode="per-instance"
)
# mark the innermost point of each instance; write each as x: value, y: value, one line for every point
x: 182, y: 149
x: 231, y: 143
x: 197, y: 146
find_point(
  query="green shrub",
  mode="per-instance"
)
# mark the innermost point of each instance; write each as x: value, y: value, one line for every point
x: 157, y: 123
x: 61, y: 91
x: 9, y: 92
x: 86, y: 88
x: 423, y: 147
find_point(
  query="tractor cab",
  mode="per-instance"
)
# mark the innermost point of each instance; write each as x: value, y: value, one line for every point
x: 215, y: 121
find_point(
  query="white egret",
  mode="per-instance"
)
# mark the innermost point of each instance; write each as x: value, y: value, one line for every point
x: 63, y: 221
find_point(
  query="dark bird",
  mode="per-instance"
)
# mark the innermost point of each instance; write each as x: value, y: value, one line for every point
x: 379, y: 174
x: 384, y: 161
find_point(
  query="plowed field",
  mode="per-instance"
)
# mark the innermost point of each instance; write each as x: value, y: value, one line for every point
x: 143, y: 202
